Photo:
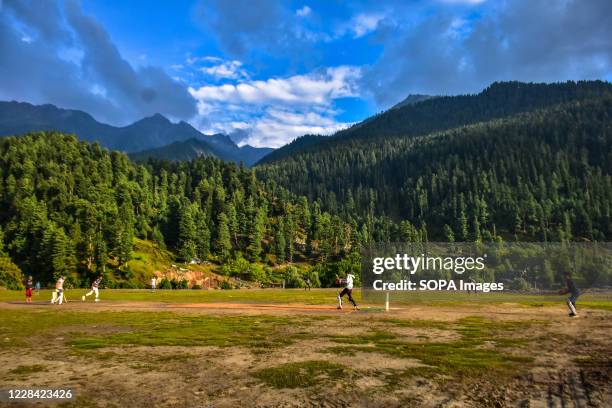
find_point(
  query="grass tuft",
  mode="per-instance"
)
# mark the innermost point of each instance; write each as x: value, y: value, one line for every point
x: 302, y: 374
x: 28, y: 369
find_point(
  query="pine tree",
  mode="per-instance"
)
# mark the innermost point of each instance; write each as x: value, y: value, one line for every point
x: 223, y: 245
x: 202, y: 236
x: 448, y: 233
x: 63, y: 260
x: 279, y: 241
x: 187, y: 233
x: 289, y: 234
x: 232, y: 221
x: 256, y: 236
x: 476, y: 234
x: 100, y: 253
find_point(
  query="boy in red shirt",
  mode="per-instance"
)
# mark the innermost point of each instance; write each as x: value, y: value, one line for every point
x: 29, y: 286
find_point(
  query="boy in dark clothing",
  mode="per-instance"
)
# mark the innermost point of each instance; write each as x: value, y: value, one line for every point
x: 94, y: 289
x: 574, y: 293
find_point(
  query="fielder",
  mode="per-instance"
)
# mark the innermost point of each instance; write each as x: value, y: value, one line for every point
x: 58, y: 294
x: 29, y: 286
x: 94, y: 289
x: 348, y: 290
x: 574, y: 293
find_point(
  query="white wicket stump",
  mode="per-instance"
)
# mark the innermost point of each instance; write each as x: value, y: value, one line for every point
x: 55, y: 298
x: 571, y: 307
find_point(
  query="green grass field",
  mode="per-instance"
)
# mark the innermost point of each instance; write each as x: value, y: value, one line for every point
x: 300, y: 296
x: 140, y: 348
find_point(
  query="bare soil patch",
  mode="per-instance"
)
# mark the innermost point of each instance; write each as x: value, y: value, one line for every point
x: 571, y: 363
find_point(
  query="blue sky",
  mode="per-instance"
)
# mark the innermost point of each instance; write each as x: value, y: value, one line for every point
x: 268, y: 71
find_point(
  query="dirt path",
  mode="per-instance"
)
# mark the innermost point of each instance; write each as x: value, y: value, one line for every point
x: 418, y: 311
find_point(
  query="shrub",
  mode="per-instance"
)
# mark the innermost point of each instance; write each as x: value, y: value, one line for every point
x: 10, y: 274
x: 196, y: 286
x: 72, y: 282
x: 110, y: 283
x: 225, y: 285
x: 519, y: 284
x: 165, y: 284
x: 126, y: 273
x: 129, y: 285
x: 179, y: 284
x: 315, y: 282
x: 269, y: 260
x: 292, y: 278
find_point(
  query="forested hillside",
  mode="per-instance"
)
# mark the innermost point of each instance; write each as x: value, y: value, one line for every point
x: 501, y: 99
x: 74, y: 208
x: 544, y: 175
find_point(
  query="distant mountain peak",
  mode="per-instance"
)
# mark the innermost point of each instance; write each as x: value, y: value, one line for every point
x: 146, y: 135
x: 218, y: 145
x: 157, y: 118
x: 411, y: 100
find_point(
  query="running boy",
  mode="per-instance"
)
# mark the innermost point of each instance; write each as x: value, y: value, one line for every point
x: 94, y: 289
x: 58, y: 295
x: 29, y: 284
x: 348, y: 290
x: 574, y: 293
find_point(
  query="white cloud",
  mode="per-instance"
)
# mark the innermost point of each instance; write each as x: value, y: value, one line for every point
x: 225, y: 69
x: 363, y: 24
x: 303, y: 12
x: 278, y: 128
x: 359, y: 25
x: 275, y: 111
x: 317, y: 88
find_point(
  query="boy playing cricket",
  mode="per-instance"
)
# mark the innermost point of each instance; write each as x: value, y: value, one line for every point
x: 574, y: 293
x: 307, y: 283
x: 348, y: 290
x: 29, y: 284
x: 58, y: 294
x: 94, y: 289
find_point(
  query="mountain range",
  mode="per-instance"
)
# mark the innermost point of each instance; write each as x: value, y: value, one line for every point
x: 219, y: 145
x: 513, y: 155
x: 154, y: 136
x: 422, y: 114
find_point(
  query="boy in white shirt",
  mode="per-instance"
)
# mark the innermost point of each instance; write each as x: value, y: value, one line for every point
x: 348, y: 290
x: 58, y: 294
